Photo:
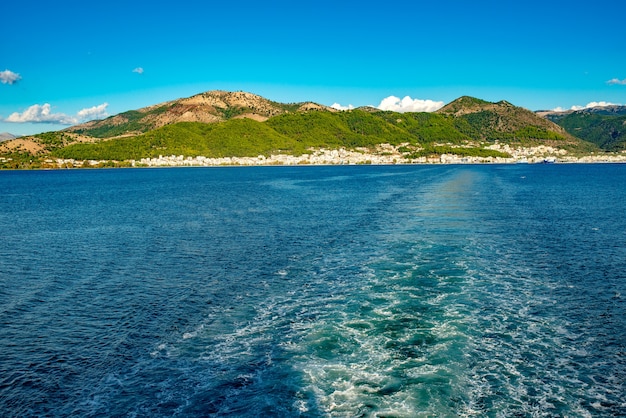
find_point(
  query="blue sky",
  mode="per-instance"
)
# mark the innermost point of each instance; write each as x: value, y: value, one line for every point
x: 67, y: 61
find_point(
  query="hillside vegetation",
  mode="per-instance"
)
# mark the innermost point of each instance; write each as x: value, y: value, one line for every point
x: 209, y: 107
x: 237, y: 137
x: 606, y: 129
x: 222, y: 124
x: 295, y: 133
x: 502, y: 121
x: 292, y: 133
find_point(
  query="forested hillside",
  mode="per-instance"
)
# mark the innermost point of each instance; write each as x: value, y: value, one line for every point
x: 223, y: 124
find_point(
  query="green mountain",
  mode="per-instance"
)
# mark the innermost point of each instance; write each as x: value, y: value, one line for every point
x: 209, y: 107
x: 602, y: 126
x: 291, y: 133
x: 504, y: 122
x: 223, y: 124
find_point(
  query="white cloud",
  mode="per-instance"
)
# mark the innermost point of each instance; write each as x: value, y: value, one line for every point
x: 138, y: 70
x: 40, y: 114
x: 9, y: 77
x: 587, y: 106
x: 408, y: 104
x: 43, y: 114
x: 600, y: 104
x: 340, y: 107
x: 91, y: 113
x: 616, y: 81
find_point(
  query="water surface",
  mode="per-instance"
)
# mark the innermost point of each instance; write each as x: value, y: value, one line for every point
x: 314, y: 291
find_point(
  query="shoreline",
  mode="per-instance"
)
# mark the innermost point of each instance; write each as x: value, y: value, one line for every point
x: 384, y: 154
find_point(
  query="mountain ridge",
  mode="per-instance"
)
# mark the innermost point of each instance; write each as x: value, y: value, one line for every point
x: 208, y: 107
x: 609, y: 110
x: 604, y: 126
x: 222, y: 124
x: 5, y: 136
x: 501, y: 120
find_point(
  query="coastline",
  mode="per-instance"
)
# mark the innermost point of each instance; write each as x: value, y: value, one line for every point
x: 385, y: 154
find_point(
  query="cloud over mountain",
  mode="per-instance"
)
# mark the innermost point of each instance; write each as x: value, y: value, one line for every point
x: 91, y: 113
x: 407, y: 104
x: 340, y: 107
x: 587, y: 106
x: 40, y: 114
x: 43, y: 114
x: 9, y: 77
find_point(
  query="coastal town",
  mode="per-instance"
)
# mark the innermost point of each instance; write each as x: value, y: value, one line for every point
x: 385, y: 154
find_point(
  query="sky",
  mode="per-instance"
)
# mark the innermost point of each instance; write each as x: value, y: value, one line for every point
x: 67, y: 62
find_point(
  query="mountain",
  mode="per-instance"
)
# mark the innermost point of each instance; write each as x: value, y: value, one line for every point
x: 250, y: 126
x: 613, y: 110
x: 603, y: 126
x: 503, y: 121
x: 237, y: 124
x: 474, y: 118
x: 5, y: 136
x: 208, y: 107
x: 556, y: 115
x: 607, y: 132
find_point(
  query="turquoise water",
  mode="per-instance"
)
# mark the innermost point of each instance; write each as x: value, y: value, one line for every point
x: 413, y: 291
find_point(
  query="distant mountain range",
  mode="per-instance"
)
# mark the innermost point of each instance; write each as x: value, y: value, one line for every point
x: 603, y: 126
x: 5, y: 136
x: 610, y: 110
x: 222, y: 124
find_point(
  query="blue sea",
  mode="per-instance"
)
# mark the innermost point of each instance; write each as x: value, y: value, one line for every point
x: 344, y: 291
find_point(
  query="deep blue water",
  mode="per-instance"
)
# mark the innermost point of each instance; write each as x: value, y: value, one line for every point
x: 434, y: 291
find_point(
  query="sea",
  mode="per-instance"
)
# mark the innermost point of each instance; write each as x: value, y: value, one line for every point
x: 338, y: 291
